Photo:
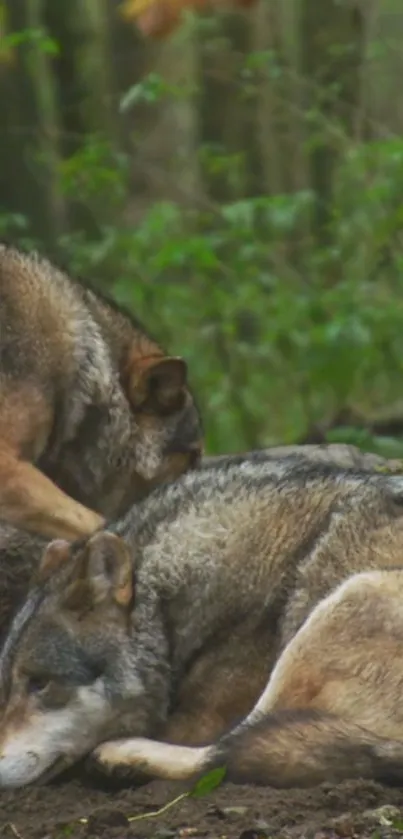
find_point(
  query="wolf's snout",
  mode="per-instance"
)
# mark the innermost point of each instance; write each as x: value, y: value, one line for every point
x: 15, y: 772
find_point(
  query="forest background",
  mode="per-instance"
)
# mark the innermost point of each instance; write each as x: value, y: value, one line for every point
x: 239, y: 185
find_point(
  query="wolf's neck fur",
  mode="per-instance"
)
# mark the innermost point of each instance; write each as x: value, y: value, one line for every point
x: 215, y: 531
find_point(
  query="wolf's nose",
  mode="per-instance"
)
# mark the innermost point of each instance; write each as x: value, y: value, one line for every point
x: 16, y: 770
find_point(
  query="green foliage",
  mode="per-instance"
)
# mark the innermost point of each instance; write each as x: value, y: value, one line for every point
x: 152, y: 89
x: 37, y: 37
x: 280, y: 335
x: 284, y: 330
x: 98, y: 174
x: 208, y: 782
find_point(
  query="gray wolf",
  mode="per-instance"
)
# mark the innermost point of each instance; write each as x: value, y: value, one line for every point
x: 340, y: 454
x: 20, y: 552
x: 249, y: 615
x: 93, y: 413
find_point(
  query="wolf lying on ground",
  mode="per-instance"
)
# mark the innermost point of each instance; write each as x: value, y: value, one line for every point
x: 93, y: 413
x: 20, y: 552
x: 280, y: 580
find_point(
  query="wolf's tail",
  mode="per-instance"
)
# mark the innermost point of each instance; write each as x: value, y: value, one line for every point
x: 302, y: 749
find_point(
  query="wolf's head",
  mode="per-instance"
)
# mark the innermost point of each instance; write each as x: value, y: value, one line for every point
x: 158, y: 440
x: 169, y: 432
x: 68, y: 667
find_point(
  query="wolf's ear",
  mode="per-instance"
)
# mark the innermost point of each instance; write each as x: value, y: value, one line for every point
x: 158, y: 382
x: 57, y: 553
x: 104, y: 572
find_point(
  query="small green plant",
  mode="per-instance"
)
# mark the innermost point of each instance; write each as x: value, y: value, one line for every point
x: 208, y: 782
x: 203, y: 786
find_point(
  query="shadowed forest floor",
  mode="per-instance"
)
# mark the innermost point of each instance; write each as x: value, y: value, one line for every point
x: 353, y: 809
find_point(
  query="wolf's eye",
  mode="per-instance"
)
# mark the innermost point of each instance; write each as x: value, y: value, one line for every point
x: 37, y: 684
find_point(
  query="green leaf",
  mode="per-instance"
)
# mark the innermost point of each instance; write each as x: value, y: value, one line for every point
x: 150, y: 89
x: 208, y: 782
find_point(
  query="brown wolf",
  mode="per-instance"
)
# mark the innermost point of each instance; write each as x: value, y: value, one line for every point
x: 93, y: 413
x: 274, y: 579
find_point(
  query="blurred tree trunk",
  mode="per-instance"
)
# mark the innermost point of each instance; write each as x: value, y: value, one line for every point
x: 332, y: 37
x: 278, y: 111
x: 85, y: 79
x: 228, y: 110
x: 29, y: 140
x: 84, y: 68
x: 165, y: 136
x: 129, y: 51
x: 172, y: 143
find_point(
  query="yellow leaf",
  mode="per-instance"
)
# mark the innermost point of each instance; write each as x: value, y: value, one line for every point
x: 133, y: 8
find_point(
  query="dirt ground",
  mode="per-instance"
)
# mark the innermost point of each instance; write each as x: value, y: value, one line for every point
x: 78, y: 809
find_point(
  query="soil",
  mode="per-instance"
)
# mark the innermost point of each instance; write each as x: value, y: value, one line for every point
x: 78, y: 809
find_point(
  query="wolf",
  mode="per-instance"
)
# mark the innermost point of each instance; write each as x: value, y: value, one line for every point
x: 93, y: 412
x: 249, y: 615
x: 20, y: 552
x: 344, y: 455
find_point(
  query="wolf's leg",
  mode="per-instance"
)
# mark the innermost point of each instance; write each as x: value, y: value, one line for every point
x: 28, y: 499
x: 222, y: 685
x: 345, y: 654
x: 216, y: 693
x: 332, y: 708
x: 139, y: 756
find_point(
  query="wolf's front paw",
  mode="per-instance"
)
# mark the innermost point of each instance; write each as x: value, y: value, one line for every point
x: 122, y: 758
x: 148, y: 759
